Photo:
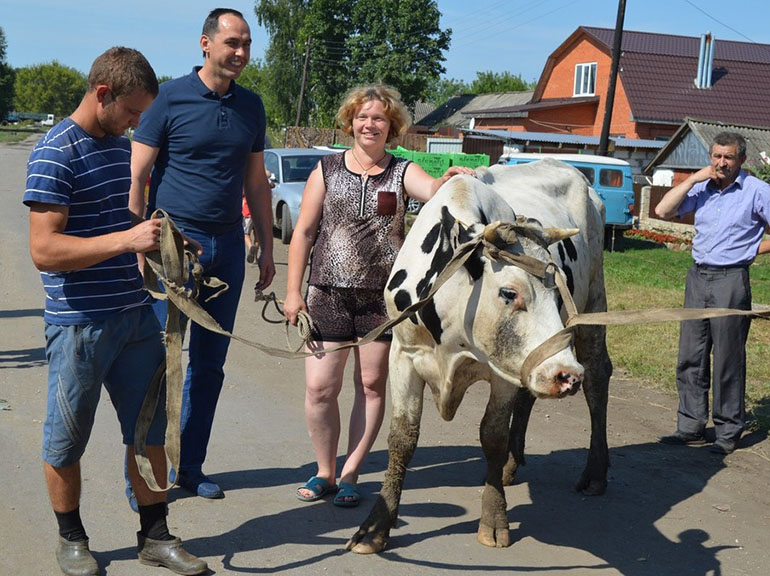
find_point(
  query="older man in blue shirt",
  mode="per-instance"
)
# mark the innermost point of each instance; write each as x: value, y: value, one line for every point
x: 732, y: 211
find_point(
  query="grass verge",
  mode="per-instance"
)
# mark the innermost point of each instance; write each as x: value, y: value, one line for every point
x: 10, y: 134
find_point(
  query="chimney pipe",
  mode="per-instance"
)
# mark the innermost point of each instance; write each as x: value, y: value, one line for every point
x: 709, y: 62
x: 701, y: 51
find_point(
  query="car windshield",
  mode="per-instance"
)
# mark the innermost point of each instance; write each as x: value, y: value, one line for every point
x: 298, y: 168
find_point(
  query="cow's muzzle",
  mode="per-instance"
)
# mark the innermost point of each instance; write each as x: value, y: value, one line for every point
x: 558, y: 382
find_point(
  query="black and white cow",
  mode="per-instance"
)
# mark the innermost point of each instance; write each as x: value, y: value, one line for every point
x: 486, y: 319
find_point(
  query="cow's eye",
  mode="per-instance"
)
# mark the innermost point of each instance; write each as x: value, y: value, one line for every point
x: 508, y: 295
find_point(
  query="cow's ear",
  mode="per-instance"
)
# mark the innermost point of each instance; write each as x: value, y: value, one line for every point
x: 555, y: 235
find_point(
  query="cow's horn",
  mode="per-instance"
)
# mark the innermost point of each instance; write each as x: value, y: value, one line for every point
x: 499, y: 233
x: 555, y: 235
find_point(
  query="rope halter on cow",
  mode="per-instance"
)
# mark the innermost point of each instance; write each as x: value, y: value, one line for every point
x: 499, y: 235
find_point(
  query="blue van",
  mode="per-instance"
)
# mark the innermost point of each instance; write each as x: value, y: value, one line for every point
x: 610, y: 177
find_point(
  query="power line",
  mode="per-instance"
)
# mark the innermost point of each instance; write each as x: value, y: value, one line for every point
x: 487, y: 33
x: 720, y: 22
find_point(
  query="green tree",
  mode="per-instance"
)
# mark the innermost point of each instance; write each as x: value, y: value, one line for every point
x: 398, y: 43
x: 284, y: 21
x: 760, y: 169
x: 49, y: 88
x: 254, y: 78
x: 439, y: 91
x: 493, y: 82
x: 329, y: 30
x: 351, y: 42
x: 7, y: 78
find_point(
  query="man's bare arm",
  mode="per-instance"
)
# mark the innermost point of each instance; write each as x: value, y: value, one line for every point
x: 52, y: 250
x: 256, y: 188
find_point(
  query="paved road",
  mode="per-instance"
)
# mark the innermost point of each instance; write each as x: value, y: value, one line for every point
x: 668, y: 511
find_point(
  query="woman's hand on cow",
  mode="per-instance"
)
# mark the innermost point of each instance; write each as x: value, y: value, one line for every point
x: 454, y: 170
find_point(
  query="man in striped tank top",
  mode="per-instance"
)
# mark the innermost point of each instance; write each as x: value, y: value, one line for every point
x: 99, y: 325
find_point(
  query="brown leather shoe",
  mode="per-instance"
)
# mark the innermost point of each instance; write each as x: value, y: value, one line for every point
x: 170, y: 554
x: 75, y: 558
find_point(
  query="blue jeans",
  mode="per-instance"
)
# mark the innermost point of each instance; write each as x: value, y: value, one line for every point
x: 223, y: 257
x: 123, y: 352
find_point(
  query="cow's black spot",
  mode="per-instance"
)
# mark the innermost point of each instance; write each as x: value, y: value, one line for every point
x: 475, y: 265
x: 464, y: 235
x: 431, y: 238
x: 397, y: 279
x: 424, y: 286
x: 402, y: 300
x: 560, y: 248
x: 570, y: 247
x: 570, y: 279
x: 431, y: 320
x: 442, y: 255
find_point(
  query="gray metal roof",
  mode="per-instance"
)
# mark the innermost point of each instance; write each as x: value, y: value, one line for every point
x: 421, y: 110
x: 688, y: 147
x: 455, y: 111
x: 556, y: 138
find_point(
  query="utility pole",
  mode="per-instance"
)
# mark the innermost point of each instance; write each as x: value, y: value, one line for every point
x: 610, y: 100
x: 302, y: 84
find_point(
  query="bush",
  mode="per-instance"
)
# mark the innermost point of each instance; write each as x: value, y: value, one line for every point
x: 657, y: 237
x: 760, y: 169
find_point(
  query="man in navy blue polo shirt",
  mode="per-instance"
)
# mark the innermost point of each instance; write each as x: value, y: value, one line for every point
x: 203, y: 137
x: 732, y: 211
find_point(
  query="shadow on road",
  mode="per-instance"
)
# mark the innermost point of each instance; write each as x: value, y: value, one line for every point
x: 29, y: 358
x: 21, y: 313
x: 645, y: 483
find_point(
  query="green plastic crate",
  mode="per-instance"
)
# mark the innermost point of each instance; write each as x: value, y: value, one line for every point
x: 470, y: 160
x: 400, y: 152
x: 433, y: 164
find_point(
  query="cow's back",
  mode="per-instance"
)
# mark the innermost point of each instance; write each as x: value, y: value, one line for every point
x: 554, y: 193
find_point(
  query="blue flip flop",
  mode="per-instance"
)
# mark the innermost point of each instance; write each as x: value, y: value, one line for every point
x: 347, y: 496
x: 318, y: 486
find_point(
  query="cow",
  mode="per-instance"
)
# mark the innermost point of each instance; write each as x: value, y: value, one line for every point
x: 483, y: 322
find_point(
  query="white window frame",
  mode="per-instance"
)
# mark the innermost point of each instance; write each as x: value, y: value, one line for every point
x: 585, y: 79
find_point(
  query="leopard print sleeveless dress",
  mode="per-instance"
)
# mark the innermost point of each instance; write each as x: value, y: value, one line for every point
x: 362, y: 225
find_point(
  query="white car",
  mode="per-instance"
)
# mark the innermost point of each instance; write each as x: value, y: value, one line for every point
x: 290, y: 168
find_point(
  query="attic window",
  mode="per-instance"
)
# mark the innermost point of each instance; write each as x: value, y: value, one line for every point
x: 585, y: 79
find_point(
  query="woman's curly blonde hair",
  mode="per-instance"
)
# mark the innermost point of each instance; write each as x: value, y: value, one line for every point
x: 395, y: 110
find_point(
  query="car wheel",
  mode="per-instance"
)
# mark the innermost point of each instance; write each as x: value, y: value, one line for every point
x: 286, y: 226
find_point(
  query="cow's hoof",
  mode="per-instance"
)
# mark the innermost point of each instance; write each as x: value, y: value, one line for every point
x: 366, y: 545
x: 592, y: 487
x: 493, y: 537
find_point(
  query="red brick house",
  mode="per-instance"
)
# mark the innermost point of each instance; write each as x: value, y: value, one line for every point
x: 662, y: 79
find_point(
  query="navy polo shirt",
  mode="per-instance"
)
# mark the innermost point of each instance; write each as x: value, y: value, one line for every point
x: 204, y: 143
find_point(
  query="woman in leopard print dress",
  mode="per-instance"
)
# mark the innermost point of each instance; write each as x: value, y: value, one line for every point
x: 352, y: 218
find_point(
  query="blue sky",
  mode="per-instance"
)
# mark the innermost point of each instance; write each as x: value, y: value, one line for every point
x: 497, y: 35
